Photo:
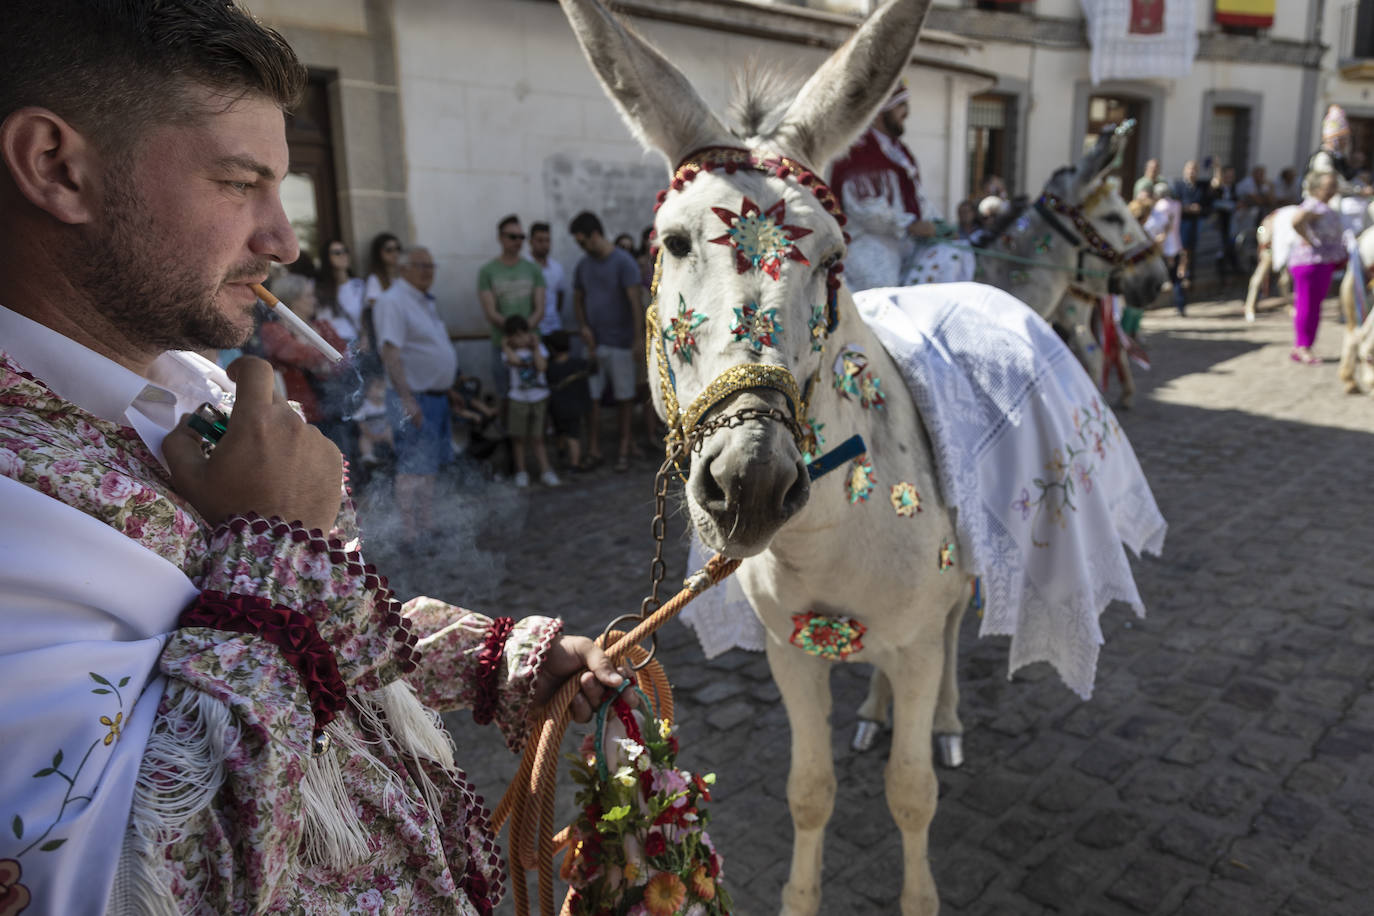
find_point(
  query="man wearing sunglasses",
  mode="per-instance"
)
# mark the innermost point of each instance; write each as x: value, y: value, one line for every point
x: 509, y: 285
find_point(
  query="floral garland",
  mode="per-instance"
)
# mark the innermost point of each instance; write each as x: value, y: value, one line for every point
x: 639, y: 846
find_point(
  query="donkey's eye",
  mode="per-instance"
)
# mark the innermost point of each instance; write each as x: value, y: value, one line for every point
x: 1114, y: 218
x: 679, y: 246
x: 830, y: 261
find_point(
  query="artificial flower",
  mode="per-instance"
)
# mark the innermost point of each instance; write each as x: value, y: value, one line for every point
x: 665, y: 894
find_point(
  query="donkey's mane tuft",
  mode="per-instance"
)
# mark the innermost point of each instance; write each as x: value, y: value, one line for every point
x: 761, y: 99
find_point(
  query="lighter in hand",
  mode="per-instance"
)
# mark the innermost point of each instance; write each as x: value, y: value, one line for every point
x: 210, y: 423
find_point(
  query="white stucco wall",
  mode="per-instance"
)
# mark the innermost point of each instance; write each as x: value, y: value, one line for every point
x: 501, y: 114
x: 327, y: 15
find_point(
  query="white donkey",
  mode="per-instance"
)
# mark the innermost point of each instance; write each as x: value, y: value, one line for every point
x: 744, y: 340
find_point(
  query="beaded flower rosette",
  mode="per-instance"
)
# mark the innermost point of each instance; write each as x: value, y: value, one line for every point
x: 639, y: 847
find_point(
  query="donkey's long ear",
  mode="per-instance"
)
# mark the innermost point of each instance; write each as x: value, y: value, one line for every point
x: 1102, y: 156
x: 655, y: 99
x: 842, y: 97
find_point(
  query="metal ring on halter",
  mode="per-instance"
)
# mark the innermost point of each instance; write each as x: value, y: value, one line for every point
x: 653, y: 639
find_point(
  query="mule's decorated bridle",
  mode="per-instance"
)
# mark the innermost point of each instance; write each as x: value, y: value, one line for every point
x: 1055, y: 210
x: 685, y: 427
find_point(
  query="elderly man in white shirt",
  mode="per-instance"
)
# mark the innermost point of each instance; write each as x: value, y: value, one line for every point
x: 421, y: 364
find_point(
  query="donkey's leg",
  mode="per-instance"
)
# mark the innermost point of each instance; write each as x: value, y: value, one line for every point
x: 804, y: 682
x: 1257, y: 279
x: 911, y: 786
x: 873, y: 716
x: 949, y: 730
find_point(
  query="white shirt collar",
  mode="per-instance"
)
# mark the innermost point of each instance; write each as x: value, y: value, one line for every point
x: 176, y: 383
x: 414, y: 292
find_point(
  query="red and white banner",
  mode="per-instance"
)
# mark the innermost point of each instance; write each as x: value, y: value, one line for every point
x: 1137, y: 39
x: 1147, y: 17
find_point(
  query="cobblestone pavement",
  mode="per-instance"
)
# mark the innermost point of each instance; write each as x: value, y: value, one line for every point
x: 1223, y: 765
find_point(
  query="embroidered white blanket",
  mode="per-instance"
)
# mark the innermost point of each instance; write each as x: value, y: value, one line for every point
x: 1045, y: 484
x: 78, y: 690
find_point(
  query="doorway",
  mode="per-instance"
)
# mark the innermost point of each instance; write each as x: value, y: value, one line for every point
x: 309, y: 193
x: 1106, y: 109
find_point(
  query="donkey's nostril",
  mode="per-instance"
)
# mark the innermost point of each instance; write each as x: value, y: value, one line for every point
x: 794, y: 499
x: 710, y: 495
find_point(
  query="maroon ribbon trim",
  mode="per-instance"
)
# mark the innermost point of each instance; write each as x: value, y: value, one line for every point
x: 489, y: 670
x: 290, y: 631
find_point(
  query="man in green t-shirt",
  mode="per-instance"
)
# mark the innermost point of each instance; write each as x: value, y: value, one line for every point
x: 1147, y: 181
x: 509, y: 285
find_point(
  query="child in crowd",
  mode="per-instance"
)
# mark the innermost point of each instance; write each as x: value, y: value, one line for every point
x: 526, y: 360
x: 570, y: 396
x: 373, y: 427
x: 477, y: 431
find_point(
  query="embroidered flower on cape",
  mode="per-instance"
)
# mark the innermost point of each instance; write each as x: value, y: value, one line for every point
x: 1070, y: 471
x: 14, y: 897
x: 114, y: 725
x: 760, y: 237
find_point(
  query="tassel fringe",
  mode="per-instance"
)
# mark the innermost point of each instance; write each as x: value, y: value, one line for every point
x: 183, y: 771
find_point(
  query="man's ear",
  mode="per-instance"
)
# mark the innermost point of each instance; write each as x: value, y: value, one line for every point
x: 51, y: 164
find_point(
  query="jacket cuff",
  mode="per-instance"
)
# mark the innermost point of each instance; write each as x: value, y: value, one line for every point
x: 301, y: 570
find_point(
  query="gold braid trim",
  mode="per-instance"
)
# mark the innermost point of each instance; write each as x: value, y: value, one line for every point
x: 738, y: 378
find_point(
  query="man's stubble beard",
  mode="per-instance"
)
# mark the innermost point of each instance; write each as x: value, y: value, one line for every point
x: 131, y: 275
x: 892, y: 126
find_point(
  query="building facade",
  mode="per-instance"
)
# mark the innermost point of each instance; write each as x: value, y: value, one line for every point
x: 434, y: 118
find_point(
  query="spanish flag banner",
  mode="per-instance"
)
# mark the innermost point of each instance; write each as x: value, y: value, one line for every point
x: 1251, y: 14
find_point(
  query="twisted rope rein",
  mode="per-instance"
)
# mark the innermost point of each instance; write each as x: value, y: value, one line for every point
x: 529, y: 800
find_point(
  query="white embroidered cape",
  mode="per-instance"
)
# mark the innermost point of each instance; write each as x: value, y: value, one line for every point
x: 1016, y: 426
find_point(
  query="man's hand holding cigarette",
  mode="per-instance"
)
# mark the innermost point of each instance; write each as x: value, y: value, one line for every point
x: 270, y: 461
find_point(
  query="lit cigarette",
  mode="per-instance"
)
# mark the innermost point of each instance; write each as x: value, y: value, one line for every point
x: 296, y: 323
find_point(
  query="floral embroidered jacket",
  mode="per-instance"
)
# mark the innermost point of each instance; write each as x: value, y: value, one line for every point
x: 429, y: 848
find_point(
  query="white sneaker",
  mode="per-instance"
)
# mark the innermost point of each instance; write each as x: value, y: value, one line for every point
x: 522, y: 479
x: 549, y: 479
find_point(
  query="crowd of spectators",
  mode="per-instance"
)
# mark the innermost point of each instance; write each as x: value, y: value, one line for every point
x: 1174, y: 213
x: 564, y: 343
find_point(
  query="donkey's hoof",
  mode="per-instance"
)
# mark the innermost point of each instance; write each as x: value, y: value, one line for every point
x: 951, y: 749
x: 866, y: 735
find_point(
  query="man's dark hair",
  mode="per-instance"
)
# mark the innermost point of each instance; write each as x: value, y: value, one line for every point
x: 558, y: 341
x: 113, y: 68
x: 538, y: 227
x: 516, y: 324
x: 506, y: 221
x: 586, y: 223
